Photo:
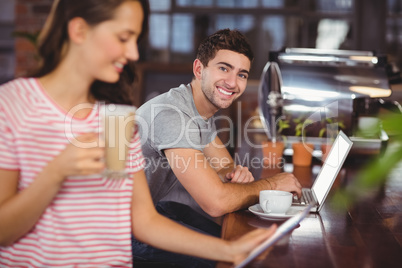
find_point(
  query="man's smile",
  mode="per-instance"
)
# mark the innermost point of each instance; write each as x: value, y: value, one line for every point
x: 225, y: 92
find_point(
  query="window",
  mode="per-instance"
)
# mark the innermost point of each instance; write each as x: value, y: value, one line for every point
x: 178, y: 26
x: 394, y: 30
x: 7, y: 63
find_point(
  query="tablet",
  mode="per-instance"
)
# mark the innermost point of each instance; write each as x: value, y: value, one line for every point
x: 282, y: 230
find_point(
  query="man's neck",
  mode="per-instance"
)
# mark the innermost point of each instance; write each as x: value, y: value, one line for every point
x: 204, y: 107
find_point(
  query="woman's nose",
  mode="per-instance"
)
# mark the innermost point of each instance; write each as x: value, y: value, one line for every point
x: 132, y: 53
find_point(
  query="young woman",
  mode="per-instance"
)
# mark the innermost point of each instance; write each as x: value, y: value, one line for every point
x: 56, y: 209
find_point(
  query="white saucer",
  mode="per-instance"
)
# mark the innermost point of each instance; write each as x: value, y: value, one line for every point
x: 257, y: 210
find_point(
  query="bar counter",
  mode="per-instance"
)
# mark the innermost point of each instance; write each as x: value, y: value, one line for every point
x: 368, y: 234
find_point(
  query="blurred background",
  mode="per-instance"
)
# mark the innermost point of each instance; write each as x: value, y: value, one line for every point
x: 177, y: 27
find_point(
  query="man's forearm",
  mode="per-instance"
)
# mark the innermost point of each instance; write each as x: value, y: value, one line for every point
x: 225, y: 170
x: 233, y: 197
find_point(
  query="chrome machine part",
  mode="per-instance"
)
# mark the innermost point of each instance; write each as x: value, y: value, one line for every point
x: 270, y: 98
x: 343, y: 85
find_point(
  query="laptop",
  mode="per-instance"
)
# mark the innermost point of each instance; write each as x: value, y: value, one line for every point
x: 316, y: 195
x: 282, y: 230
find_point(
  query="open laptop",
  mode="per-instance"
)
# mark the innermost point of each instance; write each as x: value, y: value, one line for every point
x: 282, y: 230
x: 317, y: 194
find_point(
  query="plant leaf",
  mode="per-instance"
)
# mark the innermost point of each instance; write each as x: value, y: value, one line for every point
x: 392, y: 124
x: 31, y: 37
x: 321, y: 133
x: 369, y: 178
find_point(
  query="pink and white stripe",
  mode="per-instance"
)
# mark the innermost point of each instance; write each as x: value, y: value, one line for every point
x: 88, y: 223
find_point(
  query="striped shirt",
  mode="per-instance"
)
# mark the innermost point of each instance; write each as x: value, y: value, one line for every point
x: 88, y: 224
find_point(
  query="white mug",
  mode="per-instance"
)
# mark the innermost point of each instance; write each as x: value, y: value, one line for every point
x: 369, y: 126
x: 275, y: 202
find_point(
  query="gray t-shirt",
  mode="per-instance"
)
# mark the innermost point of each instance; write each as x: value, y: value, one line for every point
x: 169, y: 121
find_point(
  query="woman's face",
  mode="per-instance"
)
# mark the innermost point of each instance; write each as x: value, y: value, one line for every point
x: 111, y: 44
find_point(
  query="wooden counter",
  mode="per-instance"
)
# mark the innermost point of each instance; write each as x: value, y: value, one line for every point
x: 367, y: 235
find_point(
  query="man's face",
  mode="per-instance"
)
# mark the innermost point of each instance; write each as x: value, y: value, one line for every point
x: 225, y: 78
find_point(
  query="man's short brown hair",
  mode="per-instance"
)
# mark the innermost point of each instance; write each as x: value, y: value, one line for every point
x: 224, y: 39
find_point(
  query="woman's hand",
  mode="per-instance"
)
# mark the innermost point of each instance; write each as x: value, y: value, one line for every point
x: 241, y: 247
x: 82, y: 157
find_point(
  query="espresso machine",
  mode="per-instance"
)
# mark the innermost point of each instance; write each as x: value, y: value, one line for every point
x: 339, y: 86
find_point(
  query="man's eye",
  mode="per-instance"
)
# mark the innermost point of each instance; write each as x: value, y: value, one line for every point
x: 223, y: 69
x: 243, y: 76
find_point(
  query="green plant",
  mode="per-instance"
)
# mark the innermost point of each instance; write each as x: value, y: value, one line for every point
x: 331, y: 127
x: 282, y: 124
x: 301, y: 124
x: 30, y: 37
x: 374, y: 174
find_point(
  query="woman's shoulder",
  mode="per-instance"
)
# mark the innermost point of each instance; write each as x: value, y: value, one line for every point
x: 18, y: 84
x: 23, y: 91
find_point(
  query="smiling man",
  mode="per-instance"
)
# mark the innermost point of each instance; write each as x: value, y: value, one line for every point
x: 192, y: 177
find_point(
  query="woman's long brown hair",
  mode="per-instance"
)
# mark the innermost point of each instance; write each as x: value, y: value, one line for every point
x: 54, y: 38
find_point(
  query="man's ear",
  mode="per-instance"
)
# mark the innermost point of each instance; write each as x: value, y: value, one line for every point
x: 77, y: 29
x: 197, y: 68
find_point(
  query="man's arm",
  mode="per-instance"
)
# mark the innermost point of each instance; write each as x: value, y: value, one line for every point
x: 154, y: 229
x: 222, y: 162
x: 215, y: 197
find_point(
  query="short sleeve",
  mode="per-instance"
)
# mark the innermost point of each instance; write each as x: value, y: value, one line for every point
x: 174, y: 129
x: 135, y: 160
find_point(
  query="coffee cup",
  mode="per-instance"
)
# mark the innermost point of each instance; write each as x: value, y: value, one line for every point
x: 275, y: 202
x: 117, y: 131
x: 368, y: 126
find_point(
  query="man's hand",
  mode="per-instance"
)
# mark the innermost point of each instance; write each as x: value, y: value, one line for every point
x: 285, y: 182
x: 239, y: 175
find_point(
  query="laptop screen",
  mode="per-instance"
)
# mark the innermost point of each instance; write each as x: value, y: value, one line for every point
x: 331, y: 166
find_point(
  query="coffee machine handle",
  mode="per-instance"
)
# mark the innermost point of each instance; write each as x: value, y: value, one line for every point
x: 390, y: 105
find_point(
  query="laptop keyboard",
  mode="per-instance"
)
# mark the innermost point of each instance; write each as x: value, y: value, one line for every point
x: 306, y: 198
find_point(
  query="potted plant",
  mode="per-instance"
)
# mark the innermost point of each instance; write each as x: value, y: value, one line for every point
x: 273, y: 150
x: 331, y: 128
x: 302, y: 151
